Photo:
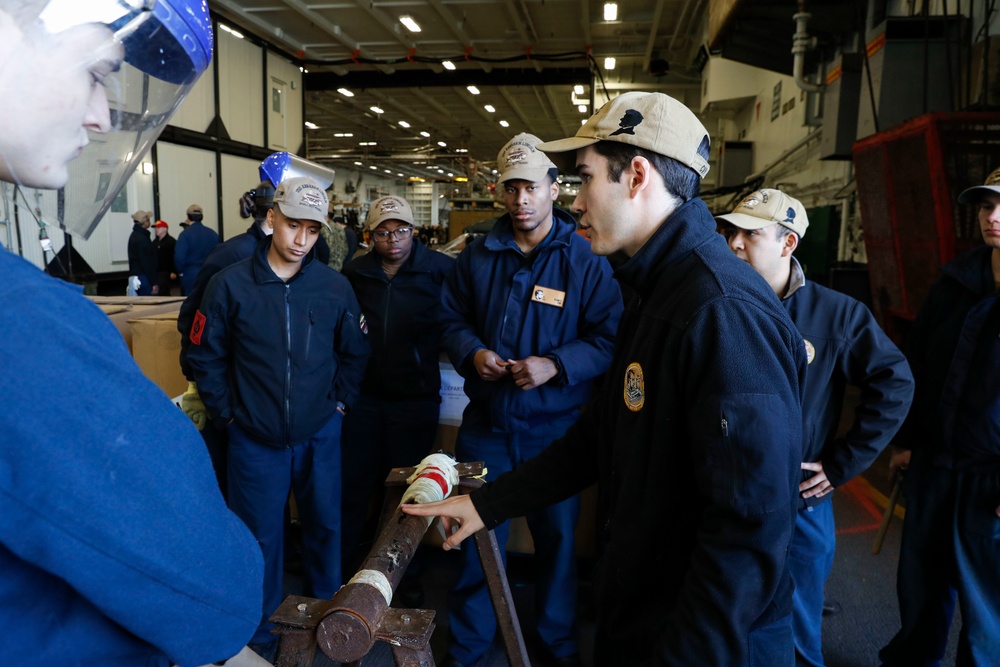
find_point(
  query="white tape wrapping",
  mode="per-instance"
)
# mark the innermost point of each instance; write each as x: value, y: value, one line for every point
x: 432, y: 480
x: 377, y: 580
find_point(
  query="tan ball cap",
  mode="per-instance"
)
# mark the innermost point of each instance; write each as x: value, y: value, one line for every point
x: 520, y: 159
x: 389, y: 208
x: 975, y: 194
x: 767, y: 207
x: 302, y: 198
x: 653, y: 121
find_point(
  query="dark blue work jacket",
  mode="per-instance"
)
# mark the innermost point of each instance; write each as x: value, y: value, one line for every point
x: 694, y: 440
x: 845, y: 345
x: 141, y: 254
x: 404, y: 323
x: 491, y: 302
x: 277, y: 357
x: 192, y: 249
x: 954, y: 350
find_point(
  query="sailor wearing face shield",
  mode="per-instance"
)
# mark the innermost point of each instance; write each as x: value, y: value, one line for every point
x: 115, y: 545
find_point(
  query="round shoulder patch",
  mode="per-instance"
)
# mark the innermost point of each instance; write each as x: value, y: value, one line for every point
x: 810, y: 351
x: 635, y: 390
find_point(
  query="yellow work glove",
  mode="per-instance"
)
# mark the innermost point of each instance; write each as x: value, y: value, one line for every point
x: 193, y: 407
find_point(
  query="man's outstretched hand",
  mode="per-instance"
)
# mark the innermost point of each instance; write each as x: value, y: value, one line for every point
x: 458, y: 516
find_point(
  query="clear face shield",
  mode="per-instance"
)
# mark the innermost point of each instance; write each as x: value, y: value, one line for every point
x: 99, y: 81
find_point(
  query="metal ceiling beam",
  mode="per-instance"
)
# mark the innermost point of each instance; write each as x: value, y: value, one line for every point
x: 585, y: 22
x: 263, y: 28
x: 513, y: 105
x: 331, y: 29
x: 464, y: 77
x: 555, y: 110
x: 654, y: 28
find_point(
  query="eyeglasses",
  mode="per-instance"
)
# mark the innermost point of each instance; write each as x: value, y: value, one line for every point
x: 398, y: 234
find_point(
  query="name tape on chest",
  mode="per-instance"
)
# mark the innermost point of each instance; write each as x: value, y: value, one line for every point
x: 547, y: 295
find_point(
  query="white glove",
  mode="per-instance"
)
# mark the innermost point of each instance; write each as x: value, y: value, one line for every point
x: 133, y: 286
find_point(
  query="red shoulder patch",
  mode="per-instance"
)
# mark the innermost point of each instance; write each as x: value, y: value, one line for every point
x: 197, y: 327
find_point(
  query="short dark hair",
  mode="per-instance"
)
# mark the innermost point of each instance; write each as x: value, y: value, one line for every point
x: 553, y: 174
x: 781, y: 232
x: 679, y: 179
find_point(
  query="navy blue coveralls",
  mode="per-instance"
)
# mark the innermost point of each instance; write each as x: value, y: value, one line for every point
x: 115, y: 545
x: 394, y: 422
x: 490, y: 302
x: 844, y: 345
x: 951, y: 534
x: 273, y: 360
x: 193, y: 246
x: 225, y: 254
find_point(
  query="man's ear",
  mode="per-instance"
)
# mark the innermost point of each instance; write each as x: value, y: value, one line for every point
x: 270, y: 218
x: 791, y: 242
x: 639, y: 175
x: 554, y: 190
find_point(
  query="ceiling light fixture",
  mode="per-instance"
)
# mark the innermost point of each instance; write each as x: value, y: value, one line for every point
x: 377, y: 110
x: 425, y: 134
x: 582, y: 108
x: 504, y: 123
x: 489, y: 107
x: 345, y: 92
x: 472, y: 89
x: 609, y: 63
x: 412, y: 25
x: 610, y: 11
x: 311, y: 126
x: 447, y: 64
x: 403, y: 123
x: 578, y: 89
x: 442, y: 144
x: 357, y: 163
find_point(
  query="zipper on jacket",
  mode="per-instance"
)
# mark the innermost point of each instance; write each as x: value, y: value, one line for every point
x: 288, y: 361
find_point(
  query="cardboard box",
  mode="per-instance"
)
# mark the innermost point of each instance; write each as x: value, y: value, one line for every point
x: 156, y: 346
x: 121, y: 309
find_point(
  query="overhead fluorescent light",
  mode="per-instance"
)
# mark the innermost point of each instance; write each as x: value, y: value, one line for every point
x: 450, y: 174
x: 311, y: 126
x: 403, y: 123
x: 578, y: 89
x: 440, y: 171
x: 472, y: 89
x: 489, y: 107
x: 345, y: 92
x: 461, y: 150
x: 412, y: 25
x: 235, y: 33
x: 400, y: 174
x: 357, y: 163
x: 425, y: 134
x: 447, y: 64
x: 609, y: 63
x: 147, y: 168
x: 373, y: 167
x: 442, y: 144
x: 504, y: 123
x: 341, y: 135
x: 582, y: 108
x: 583, y: 122
x: 610, y: 11
x: 388, y: 171
x: 367, y: 143
x: 377, y: 109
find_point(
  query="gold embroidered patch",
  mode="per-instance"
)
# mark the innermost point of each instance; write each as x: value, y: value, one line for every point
x: 635, y: 390
x: 810, y: 351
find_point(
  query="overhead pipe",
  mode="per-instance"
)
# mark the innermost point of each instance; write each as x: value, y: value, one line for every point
x: 801, y: 44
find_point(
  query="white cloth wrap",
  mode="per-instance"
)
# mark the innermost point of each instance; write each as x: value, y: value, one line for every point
x: 376, y: 579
